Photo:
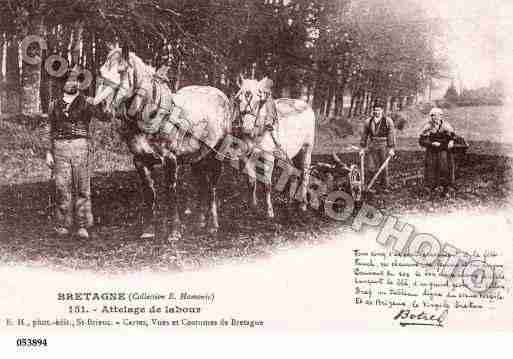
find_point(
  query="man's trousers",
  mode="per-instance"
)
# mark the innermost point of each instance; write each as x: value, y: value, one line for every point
x: 377, y: 154
x: 72, y: 174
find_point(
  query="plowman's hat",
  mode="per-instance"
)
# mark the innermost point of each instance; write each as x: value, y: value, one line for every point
x: 378, y: 104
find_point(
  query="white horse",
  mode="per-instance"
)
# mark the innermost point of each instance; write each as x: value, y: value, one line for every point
x: 292, y: 140
x: 165, y: 128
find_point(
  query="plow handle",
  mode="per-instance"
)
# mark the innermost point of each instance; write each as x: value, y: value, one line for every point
x: 379, y: 172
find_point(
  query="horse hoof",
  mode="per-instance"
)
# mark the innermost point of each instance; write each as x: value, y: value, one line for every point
x: 303, y: 207
x: 213, y: 231
x: 174, y: 236
x: 270, y: 215
x: 187, y: 212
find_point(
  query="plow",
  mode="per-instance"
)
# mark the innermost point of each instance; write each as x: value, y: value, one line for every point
x: 349, y: 178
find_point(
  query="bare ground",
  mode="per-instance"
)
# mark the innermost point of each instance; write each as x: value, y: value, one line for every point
x: 483, y: 182
x: 26, y: 232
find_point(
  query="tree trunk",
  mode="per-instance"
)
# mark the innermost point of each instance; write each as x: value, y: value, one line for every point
x: 2, y: 43
x: 359, y: 103
x: 90, y: 64
x: 371, y: 99
x: 2, y: 97
x: 31, y: 74
x: 318, y: 91
x: 53, y: 49
x: 12, y: 78
x: 333, y: 104
x: 352, y: 105
x: 325, y: 109
x: 356, y: 108
x: 365, y: 103
x: 311, y: 94
x: 76, y: 41
x: 339, y: 108
x: 64, y: 35
x: 44, y: 90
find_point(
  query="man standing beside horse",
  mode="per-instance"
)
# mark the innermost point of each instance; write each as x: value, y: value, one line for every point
x: 378, y: 142
x: 70, y: 157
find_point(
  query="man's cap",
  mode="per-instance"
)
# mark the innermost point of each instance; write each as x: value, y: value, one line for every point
x: 75, y: 74
x: 378, y: 104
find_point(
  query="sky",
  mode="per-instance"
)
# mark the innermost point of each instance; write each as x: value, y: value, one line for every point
x: 478, y: 37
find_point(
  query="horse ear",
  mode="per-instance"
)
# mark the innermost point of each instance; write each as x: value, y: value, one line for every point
x: 240, y: 79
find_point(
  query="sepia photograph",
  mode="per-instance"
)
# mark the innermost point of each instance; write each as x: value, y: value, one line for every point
x: 255, y: 165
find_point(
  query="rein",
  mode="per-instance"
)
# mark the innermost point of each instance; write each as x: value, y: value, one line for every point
x: 253, y: 112
x: 255, y: 125
x: 156, y: 96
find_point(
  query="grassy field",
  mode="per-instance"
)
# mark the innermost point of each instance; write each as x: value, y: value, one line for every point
x: 21, y: 152
x: 490, y: 128
x: 483, y: 182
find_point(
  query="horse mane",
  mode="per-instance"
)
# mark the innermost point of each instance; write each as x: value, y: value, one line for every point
x: 141, y: 68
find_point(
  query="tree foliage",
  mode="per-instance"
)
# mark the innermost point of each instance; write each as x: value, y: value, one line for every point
x: 451, y: 95
x: 373, y: 50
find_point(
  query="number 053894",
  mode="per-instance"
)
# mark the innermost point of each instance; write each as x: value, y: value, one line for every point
x: 31, y: 342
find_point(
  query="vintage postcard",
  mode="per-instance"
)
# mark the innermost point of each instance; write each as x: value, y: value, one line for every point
x: 228, y: 166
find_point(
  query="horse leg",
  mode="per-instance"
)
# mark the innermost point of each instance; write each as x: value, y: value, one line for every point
x: 213, y: 175
x: 268, y: 175
x: 149, y: 197
x: 291, y: 189
x: 198, y: 172
x: 305, y: 175
x: 187, y: 199
x: 250, y: 169
x: 208, y: 172
x: 171, y: 171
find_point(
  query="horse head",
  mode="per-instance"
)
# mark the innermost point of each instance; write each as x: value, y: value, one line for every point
x: 123, y: 75
x: 251, y: 97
